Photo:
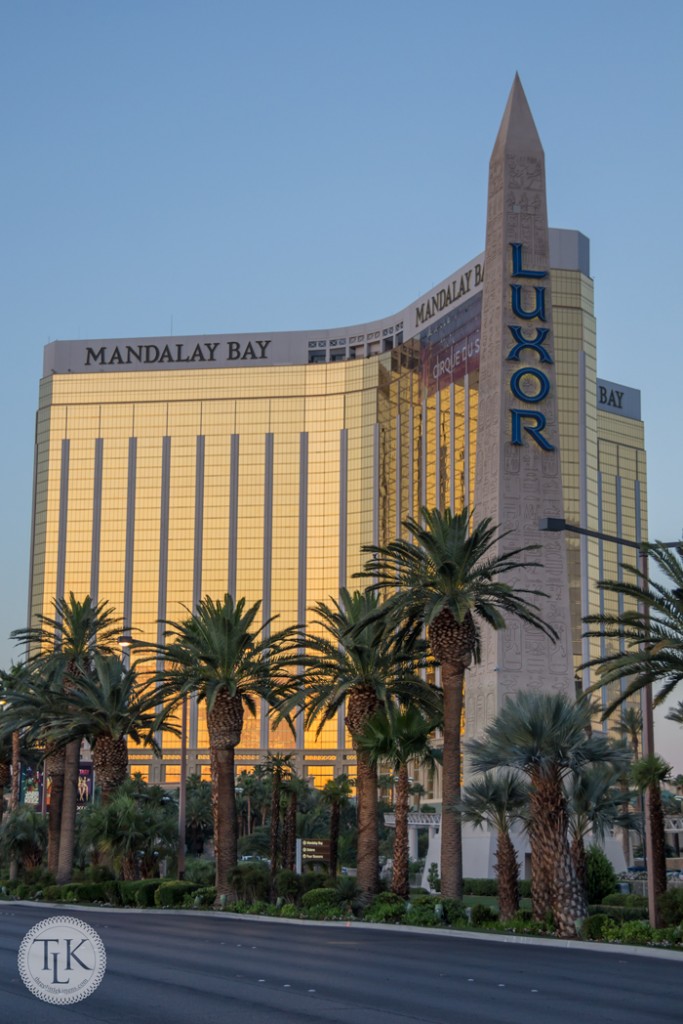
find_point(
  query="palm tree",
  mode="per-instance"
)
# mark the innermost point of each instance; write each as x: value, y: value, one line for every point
x: 543, y: 736
x: 597, y: 803
x: 360, y: 661
x: 279, y: 767
x: 398, y: 736
x: 336, y: 793
x: 631, y: 729
x: 230, y: 662
x: 296, y: 790
x: 23, y: 837
x: 648, y: 774
x: 61, y: 645
x: 675, y: 714
x: 134, y: 829
x: 498, y: 800
x: 649, y: 634
x: 448, y: 577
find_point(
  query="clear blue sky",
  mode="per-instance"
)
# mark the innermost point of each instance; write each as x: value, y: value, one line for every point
x: 234, y: 166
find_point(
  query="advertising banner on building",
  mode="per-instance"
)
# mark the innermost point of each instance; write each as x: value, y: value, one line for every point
x: 450, y: 346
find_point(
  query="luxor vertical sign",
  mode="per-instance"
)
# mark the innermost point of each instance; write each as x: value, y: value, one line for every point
x: 528, y: 384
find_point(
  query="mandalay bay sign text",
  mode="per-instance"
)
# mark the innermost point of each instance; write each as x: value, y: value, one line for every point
x: 180, y: 352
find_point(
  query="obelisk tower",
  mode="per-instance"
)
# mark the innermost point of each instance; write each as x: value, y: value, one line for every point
x: 518, y: 478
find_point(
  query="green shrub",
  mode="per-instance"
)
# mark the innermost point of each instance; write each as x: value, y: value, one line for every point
x: 172, y: 894
x: 593, y: 928
x: 287, y: 884
x: 146, y: 891
x: 112, y: 893
x: 237, y: 907
x: 624, y: 899
x: 480, y: 886
x: 205, y: 896
x: 261, y: 908
x: 53, y: 893
x: 481, y: 914
x: 453, y: 911
x: 421, y: 917
x: 316, y: 880
x: 289, y: 910
x: 320, y: 898
x: 94, y: 873
x: 630, y: 933
x: 619, y: 913
x: 670, y: 906
x: 385, y: 908
x: 251, y: 881
x: 201, y: 871
x: 600, y: 877
x: 524, y: 887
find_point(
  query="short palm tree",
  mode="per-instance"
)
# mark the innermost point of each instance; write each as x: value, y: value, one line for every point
x: 132, y: 831
x: 649, y: 634
x: 398, y: 736
x: 336, y: 794
x: 597, y: 802
x: 448, y: 576
x: 359, y: 661
x: 280, y: 768
x: 544, y: 737
x: 499, y: 800
x: 23, y: 837
x: 61, y: 645
x: 224, y: 656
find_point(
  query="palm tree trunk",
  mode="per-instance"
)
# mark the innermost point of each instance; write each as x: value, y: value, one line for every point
x: 53, y: 769
x: 367, y: 872
x: 578, y: 851
x: 549, y: 814
x: 67, y: 834
x: 452, y: 680
x: 224, y: 807
x: 400, y: 882
x: 654, y: 797
x: 541, y: 876
x: 507, y: 870
x: 14, y: 793
x: 335, y: 815
x: 5, y: 780
x: 274, y: 827
x: 290, y: 832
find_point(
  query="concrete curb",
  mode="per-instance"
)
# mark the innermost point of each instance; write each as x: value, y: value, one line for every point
x: 522, y: 940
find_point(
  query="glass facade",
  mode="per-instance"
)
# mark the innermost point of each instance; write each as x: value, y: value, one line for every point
x: 155, y: 487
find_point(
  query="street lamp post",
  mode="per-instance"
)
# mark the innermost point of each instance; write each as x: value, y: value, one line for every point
x: 556, y: 525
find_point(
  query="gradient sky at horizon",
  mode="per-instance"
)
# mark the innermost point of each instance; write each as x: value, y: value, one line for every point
x: 184, y: 168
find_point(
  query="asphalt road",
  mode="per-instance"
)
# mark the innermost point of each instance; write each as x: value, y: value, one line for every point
x: 166, y: 968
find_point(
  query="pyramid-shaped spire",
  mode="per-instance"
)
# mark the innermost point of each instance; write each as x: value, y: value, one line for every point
x: 517, y: 130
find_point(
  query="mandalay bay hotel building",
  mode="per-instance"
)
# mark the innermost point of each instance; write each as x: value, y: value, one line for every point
x: 170, y: 468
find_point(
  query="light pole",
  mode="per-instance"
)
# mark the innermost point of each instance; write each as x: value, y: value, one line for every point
x: 556, y: 525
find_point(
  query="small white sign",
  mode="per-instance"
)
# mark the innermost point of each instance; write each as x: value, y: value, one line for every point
x: 62, y: 960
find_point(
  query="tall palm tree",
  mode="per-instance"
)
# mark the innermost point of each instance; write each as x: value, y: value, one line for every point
x: 447, y: 576
x: 61, y: 646
x: 221, y: 654
x: 499, y: 800
x: 398, y: 736
x: 360, y: 661
x: 543, y: 736
x: 630, y: 728
x: 648, y: 774
x: 336, y: 793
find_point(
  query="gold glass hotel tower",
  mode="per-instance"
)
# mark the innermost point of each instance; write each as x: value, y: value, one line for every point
x: 167, y: 469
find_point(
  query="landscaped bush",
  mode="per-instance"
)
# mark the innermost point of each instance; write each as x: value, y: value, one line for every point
x: 112, y: 893
x: 624, y: 899
x: 480, y: 886
x: 670, y: 906
x: 201, y: 871
x: 139, y: 894
x: 453, y: 911
x: 386, y: 908
x: 202, y: 897
x: 172, y: 894
x: 593, y: 928
x: 316, y: 880
x: 322, y: 904
x: 619, y: 913
x: 481, y: 914
x: 600, y: 877
x: 251, y: 881
x: 261, y: 908
x: 287, y: 885
x: 289, y: 910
